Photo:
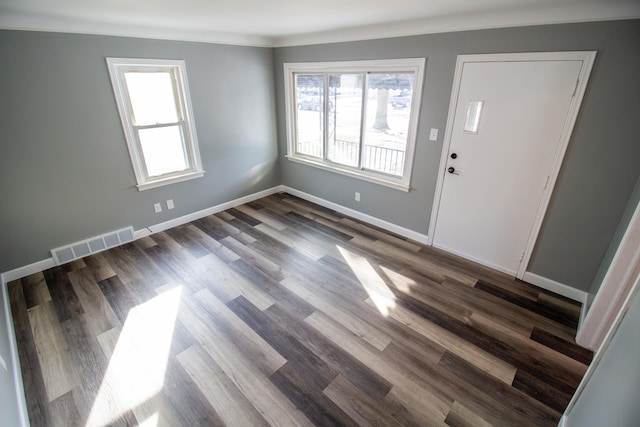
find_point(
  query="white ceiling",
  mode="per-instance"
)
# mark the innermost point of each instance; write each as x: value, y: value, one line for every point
x: 296, y: 22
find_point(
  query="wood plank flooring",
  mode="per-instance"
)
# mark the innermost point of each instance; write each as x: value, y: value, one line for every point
x: 281, y: 312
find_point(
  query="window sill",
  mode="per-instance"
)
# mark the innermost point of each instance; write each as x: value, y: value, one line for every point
x: 352, y: 173
x: 170, y: 180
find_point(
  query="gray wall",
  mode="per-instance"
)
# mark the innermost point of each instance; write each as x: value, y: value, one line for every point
x: 611, y: 396
x: 600, y: 169
x: 65, y: 172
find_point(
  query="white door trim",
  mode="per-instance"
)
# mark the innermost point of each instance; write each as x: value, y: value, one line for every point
x: 588, y: 58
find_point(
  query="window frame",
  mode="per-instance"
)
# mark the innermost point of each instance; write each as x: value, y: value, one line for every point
x: 397, y: 66
x: 117, y: 69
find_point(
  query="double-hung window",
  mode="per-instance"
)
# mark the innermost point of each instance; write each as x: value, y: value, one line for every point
x: 155, y: 110
x: 357, y: 118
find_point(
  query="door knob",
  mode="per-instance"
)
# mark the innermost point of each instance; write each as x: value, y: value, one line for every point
x: 454, y: 156
x: 452, y: 170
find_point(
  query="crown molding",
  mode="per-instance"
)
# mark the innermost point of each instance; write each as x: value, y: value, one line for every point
x: 35, y: 22
x: 590, y: 11
x: 467, y: 22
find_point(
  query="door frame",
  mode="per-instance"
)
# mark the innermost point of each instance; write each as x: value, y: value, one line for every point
x: 616, y: 285
x: 626, y: 263
x: 587, y: 58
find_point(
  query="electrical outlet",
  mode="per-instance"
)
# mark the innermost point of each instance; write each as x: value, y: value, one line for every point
x: 170, y: 204
x: 433, y: 135
x: 357, y: 196
x: 157, y: 207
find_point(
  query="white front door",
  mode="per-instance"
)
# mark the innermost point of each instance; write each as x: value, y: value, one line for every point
x: 510, y: 121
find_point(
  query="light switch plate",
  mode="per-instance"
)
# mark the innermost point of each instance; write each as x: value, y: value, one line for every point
x: 433, y: 135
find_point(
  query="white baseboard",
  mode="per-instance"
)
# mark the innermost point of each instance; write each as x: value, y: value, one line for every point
x: 543, y: 282
x: 20, y: 401
x: 555, y: 287
x: 27, y: 270
x: 45, y: 264
x: 206, y: 212
x: 405, y: 232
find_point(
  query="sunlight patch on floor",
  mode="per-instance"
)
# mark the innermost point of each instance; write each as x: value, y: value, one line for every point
x: 371, y: 281
x: 152, y: 421
x: 403, y: 283
x: 139, y: 360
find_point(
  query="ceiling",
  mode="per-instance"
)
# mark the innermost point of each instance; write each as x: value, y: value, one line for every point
x: 296, y: 22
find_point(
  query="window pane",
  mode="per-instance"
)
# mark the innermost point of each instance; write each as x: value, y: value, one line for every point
x: 310, y: 115
x: 344, y: 118
x: 388, y: 112
x: 152, y: 97
x: 163, y: 150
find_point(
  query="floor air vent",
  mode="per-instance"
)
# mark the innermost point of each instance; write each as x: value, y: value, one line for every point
x: 90, y: 246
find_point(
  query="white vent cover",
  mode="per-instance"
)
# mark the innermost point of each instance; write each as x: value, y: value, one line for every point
x: 90, y: 246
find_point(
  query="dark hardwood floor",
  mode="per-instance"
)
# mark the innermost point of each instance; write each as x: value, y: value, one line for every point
x: 280, y: 312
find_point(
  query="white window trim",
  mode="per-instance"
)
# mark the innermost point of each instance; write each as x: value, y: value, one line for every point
x: 144, y: 182
x: 414, y: 65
